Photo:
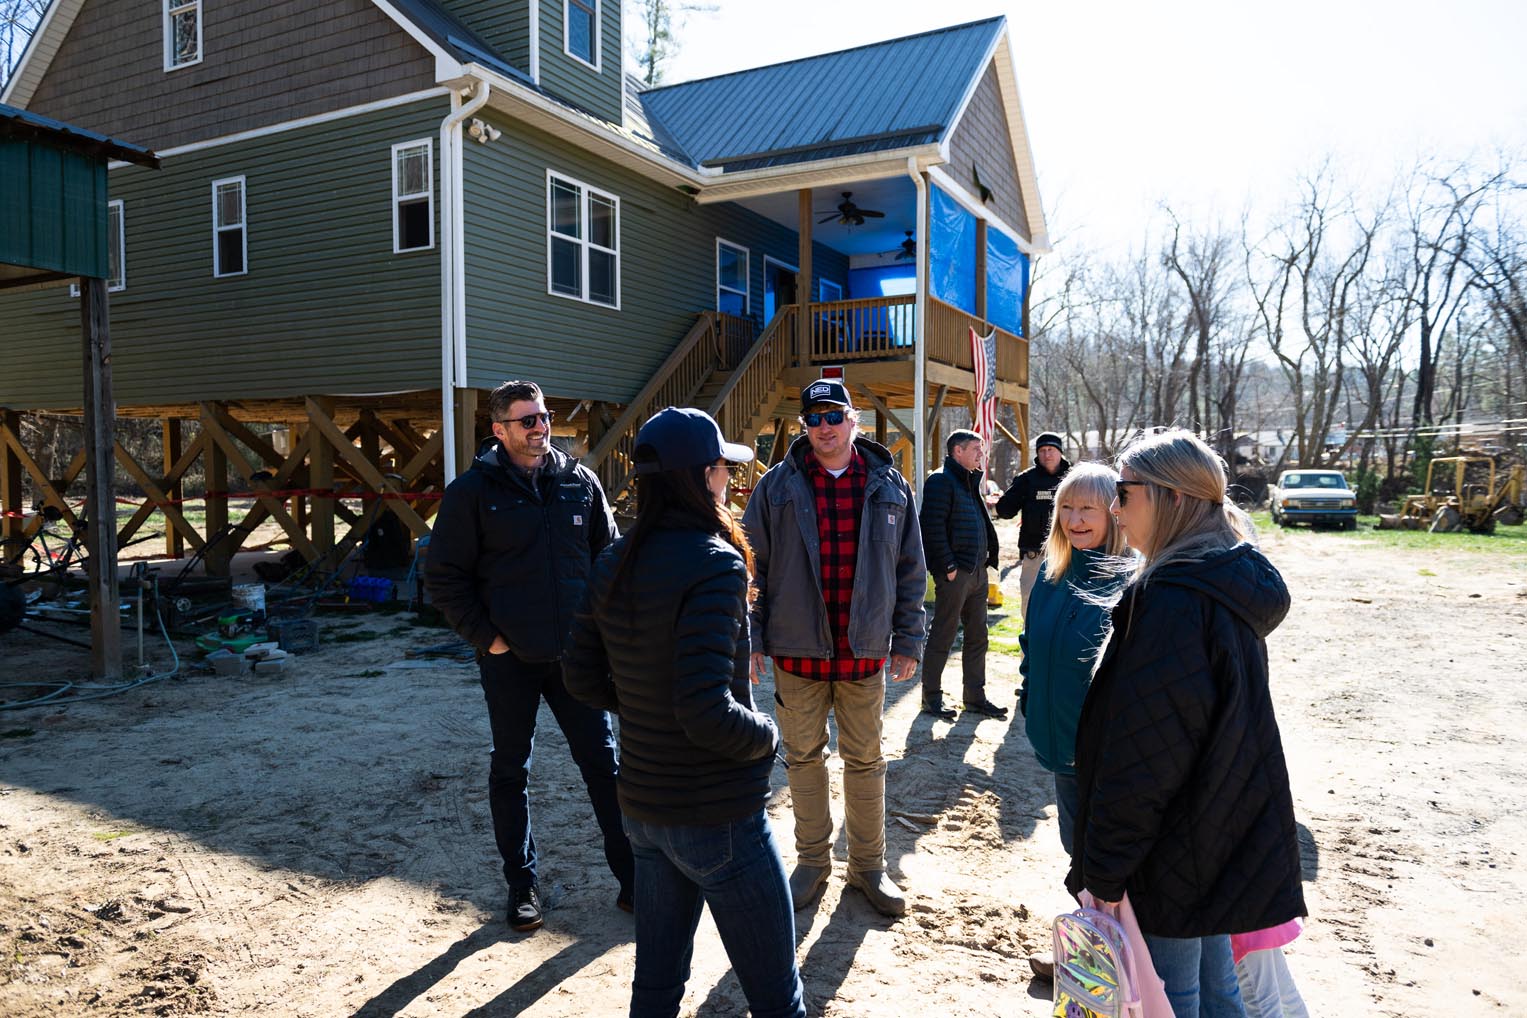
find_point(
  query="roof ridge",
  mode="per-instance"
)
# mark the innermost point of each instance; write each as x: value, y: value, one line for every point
x: 833, y: 53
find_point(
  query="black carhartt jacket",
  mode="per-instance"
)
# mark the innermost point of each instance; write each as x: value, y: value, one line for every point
x: 955, y: 523
x: 1185, y: 801
x: 669, y: 653
x: 506, y: 559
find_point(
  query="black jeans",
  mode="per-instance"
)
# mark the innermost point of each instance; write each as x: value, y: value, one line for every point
x: 961, y: 600
x: 513, y: 689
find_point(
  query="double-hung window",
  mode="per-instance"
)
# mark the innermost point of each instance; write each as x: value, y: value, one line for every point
x: 731, y: 278
x: 413, y: 196
x: 182, y: 33
x: 116, y: 251
x: 830, y: 291
x: 230, y: 236
x: 582, y: 242
x: 581, y: 35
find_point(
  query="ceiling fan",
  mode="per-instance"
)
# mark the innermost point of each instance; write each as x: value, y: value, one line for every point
x: 908, y: 249
x: 849, y: 214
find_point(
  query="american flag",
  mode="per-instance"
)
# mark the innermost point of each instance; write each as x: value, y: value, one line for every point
x: 983, y: 353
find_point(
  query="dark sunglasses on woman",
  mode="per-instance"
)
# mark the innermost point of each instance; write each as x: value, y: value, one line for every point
x: 1121, y: 490
x: 833, y: 417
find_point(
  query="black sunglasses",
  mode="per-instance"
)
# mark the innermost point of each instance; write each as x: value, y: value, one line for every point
x: 531, y: 420
x: 1121, y: 490
x: 833, y: 417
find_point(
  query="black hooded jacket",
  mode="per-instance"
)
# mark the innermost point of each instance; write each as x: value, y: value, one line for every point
x: 1185, y: 800
x: 506, y: 559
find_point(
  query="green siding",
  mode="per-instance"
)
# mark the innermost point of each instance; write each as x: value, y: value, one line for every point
x: 504, y: 24
x: 326, y: 307
x: 571, y: 79
x: 516, y: 329
x: 52, y: 209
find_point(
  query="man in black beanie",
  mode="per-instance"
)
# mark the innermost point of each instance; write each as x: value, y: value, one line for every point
x: 1032, y: 494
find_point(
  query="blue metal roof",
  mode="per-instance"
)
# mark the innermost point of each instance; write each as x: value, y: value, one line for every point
x: 17, y: 123
x: 883, y: 95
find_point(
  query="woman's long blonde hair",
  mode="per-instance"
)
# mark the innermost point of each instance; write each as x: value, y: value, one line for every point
x: 1091, y: 482
x: 1193, y: 515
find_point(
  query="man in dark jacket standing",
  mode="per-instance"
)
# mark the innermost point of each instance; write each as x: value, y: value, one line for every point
x: 839, y: 579
x: 1032, y: 494
x: 509, y: 559
x: 959, y: 543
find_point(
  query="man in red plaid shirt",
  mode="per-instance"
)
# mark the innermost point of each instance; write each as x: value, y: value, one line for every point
x: 840, y: 584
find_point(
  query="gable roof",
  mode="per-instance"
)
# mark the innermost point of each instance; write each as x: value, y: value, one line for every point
x: 775, y: 115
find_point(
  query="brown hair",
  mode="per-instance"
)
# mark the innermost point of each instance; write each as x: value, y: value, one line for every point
x: 509, y: 393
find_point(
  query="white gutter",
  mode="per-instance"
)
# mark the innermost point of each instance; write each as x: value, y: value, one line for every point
x: 535, y: 40
x: 452, y: 275
x: 919, y: 337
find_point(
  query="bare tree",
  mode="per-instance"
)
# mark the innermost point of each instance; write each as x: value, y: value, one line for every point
x: 1201, y: 263
x: 658, y: 41
x: 18, y: 20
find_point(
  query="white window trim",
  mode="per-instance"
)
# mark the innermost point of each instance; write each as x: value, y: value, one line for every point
x: 169, y: 35
x: 74, y: 288
x: 822, y: 285
x: 747, y: 275
x: 583, y: 242
x: 243, y: 227
x: 567, y: 35
x: 428, y: 192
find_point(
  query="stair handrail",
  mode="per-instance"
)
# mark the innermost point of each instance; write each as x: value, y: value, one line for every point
x: 639, y: 409
x: 766, y: 367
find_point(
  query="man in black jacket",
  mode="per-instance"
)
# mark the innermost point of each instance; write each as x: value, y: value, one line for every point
x: 1032, y: 494
x: 509, y: 559
x: 959, y: 543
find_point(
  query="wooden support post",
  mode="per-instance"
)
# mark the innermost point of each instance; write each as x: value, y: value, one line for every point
x: 172, y: 447
x: 220, y: 543
x: 981, y: 272
x: 321, y: 477
x: 803, y: 276
x: 11, y: 502
x: 466, y: 429
x: 881, y: 430
x: 100, y: 498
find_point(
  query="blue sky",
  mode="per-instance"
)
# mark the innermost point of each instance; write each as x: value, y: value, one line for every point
x: 1209, y: 105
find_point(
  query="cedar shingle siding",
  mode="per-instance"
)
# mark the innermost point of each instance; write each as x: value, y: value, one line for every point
x: 263, y: 62
x: 982, y: 139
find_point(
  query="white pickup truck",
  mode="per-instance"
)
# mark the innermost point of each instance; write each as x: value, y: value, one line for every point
x: 1313, y: 496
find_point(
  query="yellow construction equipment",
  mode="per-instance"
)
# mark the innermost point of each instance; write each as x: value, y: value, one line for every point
x: 1461, y: 494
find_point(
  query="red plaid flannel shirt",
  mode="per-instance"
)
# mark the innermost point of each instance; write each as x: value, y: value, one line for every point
x: 840, y: 507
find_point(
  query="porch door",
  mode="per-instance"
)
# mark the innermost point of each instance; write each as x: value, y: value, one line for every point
x: 779, y: 287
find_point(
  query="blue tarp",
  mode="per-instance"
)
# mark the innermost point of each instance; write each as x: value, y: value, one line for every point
x: 953, y: 252
x: 1007, y: 280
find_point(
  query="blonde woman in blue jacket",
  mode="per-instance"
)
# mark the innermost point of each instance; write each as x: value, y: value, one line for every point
x: 1067, y: 618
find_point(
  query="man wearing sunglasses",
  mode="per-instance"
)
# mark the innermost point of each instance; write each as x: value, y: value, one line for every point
x: 839, y: 579
x: 508, y: 562
x: 1032, y: 495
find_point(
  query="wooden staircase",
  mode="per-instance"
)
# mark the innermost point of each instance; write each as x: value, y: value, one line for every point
x: 711, y: 369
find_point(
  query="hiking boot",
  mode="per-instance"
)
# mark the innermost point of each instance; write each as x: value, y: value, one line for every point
x: 986, y: 707
x: 525, y: 909
x: 1043, y: 966
x: 806, y: 883
x: 884, y: 896
x: 938, y: 710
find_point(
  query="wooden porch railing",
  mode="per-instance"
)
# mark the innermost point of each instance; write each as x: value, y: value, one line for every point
x: 757, y: 375
x: 675, y: 383
x: 871, y: 328
x: 948, y: 338
x: 734, y: 338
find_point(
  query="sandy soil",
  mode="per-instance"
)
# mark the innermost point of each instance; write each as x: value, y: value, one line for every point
x: 319, y: 844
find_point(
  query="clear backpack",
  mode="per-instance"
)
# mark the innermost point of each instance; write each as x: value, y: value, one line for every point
x: 1094, y: 969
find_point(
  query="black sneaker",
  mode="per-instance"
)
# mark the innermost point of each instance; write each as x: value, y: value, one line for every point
x: 524, y: 909
x: 986, y: 707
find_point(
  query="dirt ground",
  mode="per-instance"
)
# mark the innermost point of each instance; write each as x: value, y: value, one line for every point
x: 319, y: 844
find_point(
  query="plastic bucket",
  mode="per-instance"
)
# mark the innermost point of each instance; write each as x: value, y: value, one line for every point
x: 249, y: 597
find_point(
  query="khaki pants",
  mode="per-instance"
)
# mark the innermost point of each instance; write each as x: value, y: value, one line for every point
x: 803, y: 706
x: 1030, y: 562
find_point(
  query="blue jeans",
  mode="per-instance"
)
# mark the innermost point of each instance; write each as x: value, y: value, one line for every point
x: 513, y: 690
x: 1199, y: 973
x: 1068, y: 795
x: 735, y: 869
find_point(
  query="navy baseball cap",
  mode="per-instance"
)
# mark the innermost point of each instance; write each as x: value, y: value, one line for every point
x: 677, y: 438
x: 825, y: 390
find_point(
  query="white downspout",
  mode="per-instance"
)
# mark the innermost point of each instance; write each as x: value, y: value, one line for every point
x: 452, y: 246
x: 919, y: 330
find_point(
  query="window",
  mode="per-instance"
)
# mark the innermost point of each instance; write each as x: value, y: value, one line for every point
x: 582, y: 242
x: 182, y: 33
x: 731, y: 278
x: 116, y: 252
x: 581, y: 30
x: 830, y: 291
x: 229, y: 238
x: 413, y: 196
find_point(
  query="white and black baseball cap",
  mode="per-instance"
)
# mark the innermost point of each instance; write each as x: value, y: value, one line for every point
x: 825, y: 390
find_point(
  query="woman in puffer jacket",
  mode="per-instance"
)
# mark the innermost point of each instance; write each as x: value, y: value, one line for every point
x: 662, y: 640
x: 1184, y: 792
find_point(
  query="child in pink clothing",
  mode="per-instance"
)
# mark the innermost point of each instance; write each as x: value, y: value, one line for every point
x: 1267, y: 986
